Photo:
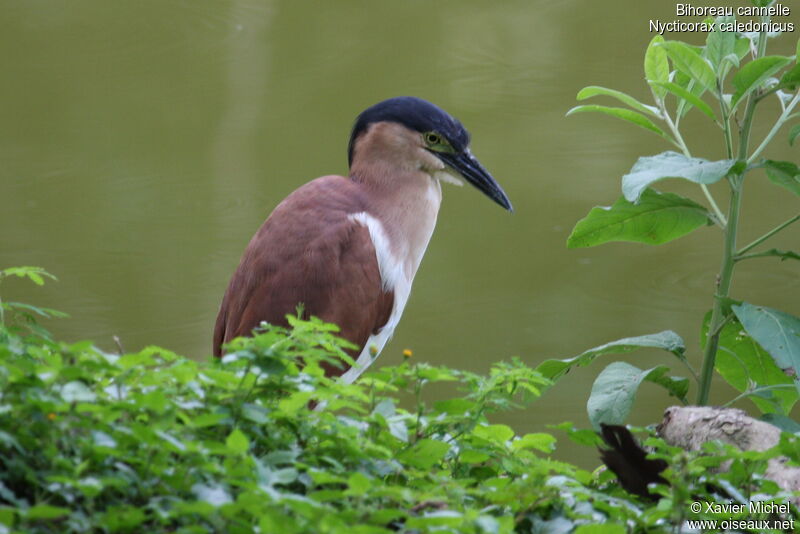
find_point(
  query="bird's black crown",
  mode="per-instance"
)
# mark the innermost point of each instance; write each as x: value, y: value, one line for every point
x: 412, y: 112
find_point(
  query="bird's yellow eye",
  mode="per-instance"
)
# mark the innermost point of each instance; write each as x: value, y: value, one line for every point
x: 433, y: 138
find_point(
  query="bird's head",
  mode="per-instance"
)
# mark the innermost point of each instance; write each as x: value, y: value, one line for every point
x: 430, y: 138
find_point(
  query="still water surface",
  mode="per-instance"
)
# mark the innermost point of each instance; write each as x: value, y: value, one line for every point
x: 143, y: 143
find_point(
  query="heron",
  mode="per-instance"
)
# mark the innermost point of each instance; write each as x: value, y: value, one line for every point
x: 347, y: 248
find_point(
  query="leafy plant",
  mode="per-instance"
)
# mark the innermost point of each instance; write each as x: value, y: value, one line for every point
x: 728, y: 80
x: 19, y: 317
x: 151, y: 441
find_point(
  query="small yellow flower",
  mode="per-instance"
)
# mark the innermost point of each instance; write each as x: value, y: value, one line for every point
x: 51, y: 416
x: 407, y: 353
x: 373, y: 350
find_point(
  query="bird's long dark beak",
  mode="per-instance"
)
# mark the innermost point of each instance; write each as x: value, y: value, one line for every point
x: 471, y: 169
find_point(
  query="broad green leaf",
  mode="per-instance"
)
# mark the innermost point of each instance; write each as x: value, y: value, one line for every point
x: 690, y: 62
x: 776, y: 331
x: 784, y: 173
x: 45, y: 511
x: 358, y: 484
x: 650, y: 169
x: 742, y: 47
x: 582, y: 436
x: 720, y: 45
x: 237, y: 442
x: 783, y: 422
x: 435, y: 521
x: 656, y: 219
x: 615, y: 388
x: 123, y: 518
x: 752, y: 75
x: 601, y: 528
x: 666, y: 340
x: 791, y: 78
x: 742, y: 362
x: 689, y: 97
x: 621, y: 113
x: 656, y: 66
x: 594, y: 90
x: 495, y: 433
x: 424, y: 454
x: 539, y: 441
x: 793, y: 133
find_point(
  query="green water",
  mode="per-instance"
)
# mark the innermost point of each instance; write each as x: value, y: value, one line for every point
x: 142, y: 144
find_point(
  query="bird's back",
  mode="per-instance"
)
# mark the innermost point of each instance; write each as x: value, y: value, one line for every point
x: 310, y: 252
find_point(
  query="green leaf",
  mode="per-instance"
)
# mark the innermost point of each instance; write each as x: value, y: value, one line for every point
x: 594, y: 90
x: 34, y: 274
x: 656, y: 66
x: 424, y: 454
x: 45, y: 511
x: 621, y: 113
x: 123, y: 518
x: 776, y: 331
x: 666, y: 340
x: 656, y: 219
x: 687, y: 60
x: 742, y: 47
x: 358, y: 484
x: 237, y: 442
x: 582, y: 436
x: 686, y: 82
x: 689, y: 97
x: 650, y: 169
x: 781, y: 421
x: 601, y: 528
x: 539, y: 441
x: 494, y: 433
x: 791, y: 78
x: 751, y: 76
x: 742, y: 362
x: 784, y: 173
x: 793, y: 133
x: 720, y: 45
x: 615, y: 388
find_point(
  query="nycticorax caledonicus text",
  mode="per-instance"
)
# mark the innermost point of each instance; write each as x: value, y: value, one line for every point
x: 347, y: 248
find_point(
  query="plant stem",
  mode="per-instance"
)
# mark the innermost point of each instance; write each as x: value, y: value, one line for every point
x: 729, y: 244
x: 726, y: 120
x: 723, y: 288
x: 768, y: 235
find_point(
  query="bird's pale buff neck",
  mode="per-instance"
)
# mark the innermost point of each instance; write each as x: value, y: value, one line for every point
x: 391, y: 162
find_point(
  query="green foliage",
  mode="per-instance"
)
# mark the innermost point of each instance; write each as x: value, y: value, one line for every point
x: 746, y: 366
x: 656, y: 218
x: 19, y: 317
x: 262, y: 441
x: 615, y: 388
x: 651, y: 169
x: 757, y: 346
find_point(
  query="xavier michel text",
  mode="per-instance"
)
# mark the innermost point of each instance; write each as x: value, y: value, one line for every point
x: 729, y: 25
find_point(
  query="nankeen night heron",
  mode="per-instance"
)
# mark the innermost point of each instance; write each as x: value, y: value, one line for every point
x: 347, y: 248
